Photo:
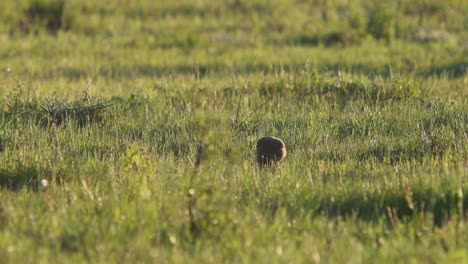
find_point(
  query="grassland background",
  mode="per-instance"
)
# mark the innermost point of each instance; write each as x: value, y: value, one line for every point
x: 370, y: 99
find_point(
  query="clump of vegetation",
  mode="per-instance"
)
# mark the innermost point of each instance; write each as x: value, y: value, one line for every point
x: 82, y: 112
x: 381, y: 23
x: 344, y: 37
x: 49, y: 15
x: 57, y: 113
x: 433, y: 35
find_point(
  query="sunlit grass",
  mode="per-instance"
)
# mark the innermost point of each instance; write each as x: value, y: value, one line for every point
x: 143, y: 120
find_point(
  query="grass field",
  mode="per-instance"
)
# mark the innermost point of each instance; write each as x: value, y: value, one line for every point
x: 128, y: 131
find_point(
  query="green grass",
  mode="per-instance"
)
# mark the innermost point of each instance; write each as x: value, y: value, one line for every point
x: 143, y: 120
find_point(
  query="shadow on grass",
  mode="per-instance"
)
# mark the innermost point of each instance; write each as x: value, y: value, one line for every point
x: 2, y: 144
x: 454, y: 70
x: 441, y: 205
x: 22, y: 176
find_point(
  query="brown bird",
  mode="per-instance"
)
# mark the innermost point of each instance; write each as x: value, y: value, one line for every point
x: 270, y: 150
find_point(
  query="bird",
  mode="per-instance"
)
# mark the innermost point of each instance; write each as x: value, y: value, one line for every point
x: 270, y: 150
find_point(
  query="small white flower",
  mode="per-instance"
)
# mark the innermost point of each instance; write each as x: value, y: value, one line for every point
x: 10, y: 249
x: 172, y: 239
x: 279, y: 250
x: 191, y: 191
x: 44, y: 183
